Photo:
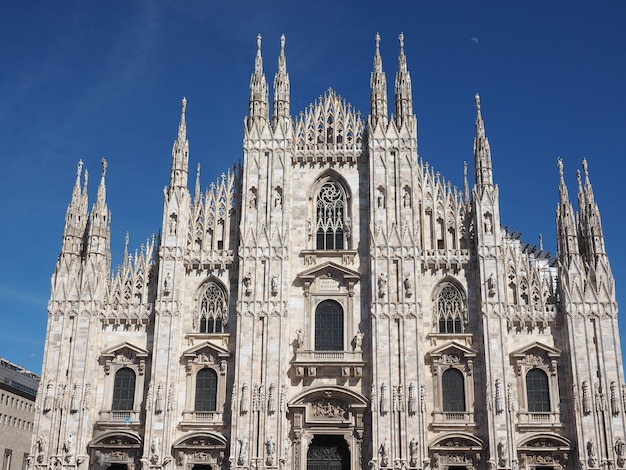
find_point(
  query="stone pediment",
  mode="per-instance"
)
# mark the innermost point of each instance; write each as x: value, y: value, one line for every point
x: 330, y: 277
x: 124, y: 352
x: 329, y: 268
x: 536, y: 349
x: 451, y: 350
x: 205, y: 351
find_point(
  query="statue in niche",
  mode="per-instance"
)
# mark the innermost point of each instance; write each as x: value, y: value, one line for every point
x: 408, y: 285
x: 406, y: 198
x: 270, y: 448
x: 591, y: 452
x: 380, y: 198
x: 413, y: 452
x: 358, y: 341
x: 242, y: 450
x: 274, y: 284
x: 68, y: 447
x: 488, y: 223
x: 384, y: 453
x: 247, y: 284
x: 278, y: 198
x: 299, y: 338
x: 620, y: 446
x: 173, y: 224
x: 252, y: 199
x: 382, y: 284
x: 167, y: 284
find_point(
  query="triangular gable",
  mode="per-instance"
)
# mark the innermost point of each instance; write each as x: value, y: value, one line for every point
x: 551, y: 352
x: 208, y: 348
x: 455, y: 347
x: 327, y: 267
x: 120, y: 349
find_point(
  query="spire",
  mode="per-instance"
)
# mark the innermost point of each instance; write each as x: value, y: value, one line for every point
x: 482, y: 152
x: 589, y: 219
x: 281, y: 87
x: 180, y: 153
x: 566, y: 237
x: 378, y: 90
x: 197, y: 195
x: 466, y: 192
x: 102, y: 190
x: 257, y: 107
x: 75, y: 217
x: 404, y: 100
x: 98, y: 247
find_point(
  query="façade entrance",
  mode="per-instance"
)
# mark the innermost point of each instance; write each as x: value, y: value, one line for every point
x: 328, y: 453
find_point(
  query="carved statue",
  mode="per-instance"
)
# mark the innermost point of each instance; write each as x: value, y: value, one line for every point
x: 299, y: 338
x: 413, y: 452
x: 408, y: 285
x: 270, y: 448
x: 382, y: 284
x: 384, y: 453
x: 247, y: 284
x: 242, y: 450
x: 68, y: 447
x: 620, y: 446
x: 274, y: 284
x: 358, y: 341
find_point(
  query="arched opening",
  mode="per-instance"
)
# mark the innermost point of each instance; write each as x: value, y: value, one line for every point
x: 206, y: 390
x: 124, y: 390
x: 327, y: 452
x: 329, y: 326
x: 452, y: 383
x: 537, y: 391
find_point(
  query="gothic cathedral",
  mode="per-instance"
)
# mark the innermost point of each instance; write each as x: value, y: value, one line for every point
x: 332, y: 303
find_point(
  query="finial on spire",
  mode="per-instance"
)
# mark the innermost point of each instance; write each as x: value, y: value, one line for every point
x: 477, y: 98
x: 559, y: 163
x: 184, y: 102
x: 377, y: 43
x: 282, y: 43
x: 586, y: 170
x: 258, y: 43
x: 540, y: 241
x: 401, y: 38
x: 104, y: 167
x: 79, y: 168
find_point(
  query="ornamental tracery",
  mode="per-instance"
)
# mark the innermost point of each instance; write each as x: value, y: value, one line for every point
x: 212, y: 314
x: 450, y: 309
x: 332, y: 222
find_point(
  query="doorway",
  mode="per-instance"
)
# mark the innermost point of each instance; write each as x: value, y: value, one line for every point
x: 328, y: 453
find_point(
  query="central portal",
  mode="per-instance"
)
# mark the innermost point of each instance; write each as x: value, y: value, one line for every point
x: 328, y: 453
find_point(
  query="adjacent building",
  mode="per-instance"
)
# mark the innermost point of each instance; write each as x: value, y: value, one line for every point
x: 18, y: 390
x: 332, y: 303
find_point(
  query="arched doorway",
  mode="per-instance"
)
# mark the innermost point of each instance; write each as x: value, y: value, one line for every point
x: 328, y: 452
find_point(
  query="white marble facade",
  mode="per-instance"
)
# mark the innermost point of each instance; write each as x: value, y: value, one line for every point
x: 333, y: 303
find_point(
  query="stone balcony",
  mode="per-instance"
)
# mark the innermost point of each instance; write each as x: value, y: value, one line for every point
x: 328, y: 363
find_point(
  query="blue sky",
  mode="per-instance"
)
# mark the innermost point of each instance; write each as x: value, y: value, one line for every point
x: 83, y: 80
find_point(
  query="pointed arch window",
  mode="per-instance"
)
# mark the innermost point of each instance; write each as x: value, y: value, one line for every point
x: 331, y: 228
x: 329, y: 326
x: 124, y: 390
x: 206, y: 390
x: 213, y: 309
x: 537, y: 391
x: 450, y: 309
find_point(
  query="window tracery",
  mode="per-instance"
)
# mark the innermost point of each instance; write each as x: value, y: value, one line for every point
x: 330, y: 217
x: 213, y: 314
x: 450, y: 310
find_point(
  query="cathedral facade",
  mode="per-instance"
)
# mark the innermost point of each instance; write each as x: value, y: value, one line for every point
x: 332, y: 303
